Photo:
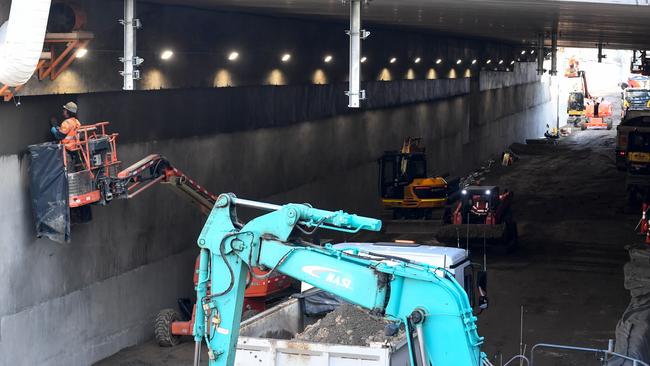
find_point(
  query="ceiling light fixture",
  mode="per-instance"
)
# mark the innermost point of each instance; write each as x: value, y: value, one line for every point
x: 328, y: 59
x: 166, y: 54
x: 81, y: 52
x: 417, y: 60
x: 489, y: 61
x: 286, y: 57
x: 438, y: 61
x: 393, y: 60
x: 234, y: 55
x: 500, y: 62
x: 459, y: 61
x: 364, y: 59
x: 473, y: 61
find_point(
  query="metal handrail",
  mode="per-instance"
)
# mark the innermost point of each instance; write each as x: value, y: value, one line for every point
x: 605, y: 352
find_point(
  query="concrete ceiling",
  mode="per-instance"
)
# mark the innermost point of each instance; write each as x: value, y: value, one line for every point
x: 621, y: 24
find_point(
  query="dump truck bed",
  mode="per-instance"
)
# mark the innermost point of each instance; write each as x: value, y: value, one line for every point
x: 266, y: 340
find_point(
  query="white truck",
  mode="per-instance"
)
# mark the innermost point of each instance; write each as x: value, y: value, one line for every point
x: 266, y: 339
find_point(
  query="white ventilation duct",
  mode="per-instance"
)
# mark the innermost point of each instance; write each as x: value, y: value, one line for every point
x: 21, y: 40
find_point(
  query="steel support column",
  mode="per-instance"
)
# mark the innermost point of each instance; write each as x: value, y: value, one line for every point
x: 601, y: 56
x: 130, y: 60
x: 355, y: 94
x: 553, y: 53
x: 540, y: 54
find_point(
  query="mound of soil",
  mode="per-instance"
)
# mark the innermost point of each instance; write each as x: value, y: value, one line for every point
x: 348, y: 325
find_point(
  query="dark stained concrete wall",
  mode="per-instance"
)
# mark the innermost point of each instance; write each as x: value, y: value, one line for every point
x: 202, y: 40
x: 73, y: 304
x: 166, y: 114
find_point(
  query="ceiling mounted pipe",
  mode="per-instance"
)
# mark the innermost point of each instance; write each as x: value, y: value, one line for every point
x: 21, y: 40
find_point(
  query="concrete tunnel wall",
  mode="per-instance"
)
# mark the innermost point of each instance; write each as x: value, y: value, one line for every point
x: 78, y: 303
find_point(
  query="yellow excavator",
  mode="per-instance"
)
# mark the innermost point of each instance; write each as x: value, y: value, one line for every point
x: 405, y: 187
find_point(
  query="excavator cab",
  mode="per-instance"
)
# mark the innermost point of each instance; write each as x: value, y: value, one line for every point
x: 405, y: 187
x: 399, y: 170
x: 576, y: 102
x: 576, y: 108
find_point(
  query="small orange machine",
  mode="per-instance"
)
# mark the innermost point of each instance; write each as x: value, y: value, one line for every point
x: 599, y: 116
x: 169, y: 328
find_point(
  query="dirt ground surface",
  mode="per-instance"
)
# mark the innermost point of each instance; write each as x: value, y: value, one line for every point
x: 567, y: 273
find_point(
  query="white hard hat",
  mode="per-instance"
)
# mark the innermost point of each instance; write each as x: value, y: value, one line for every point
x: 71, y: 106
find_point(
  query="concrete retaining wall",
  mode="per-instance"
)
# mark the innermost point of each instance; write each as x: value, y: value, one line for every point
x: 75, y: 304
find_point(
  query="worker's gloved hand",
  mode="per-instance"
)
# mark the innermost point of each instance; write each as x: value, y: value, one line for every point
x: 54, y: 122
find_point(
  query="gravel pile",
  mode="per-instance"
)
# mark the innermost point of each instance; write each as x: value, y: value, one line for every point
x: 348, y: 325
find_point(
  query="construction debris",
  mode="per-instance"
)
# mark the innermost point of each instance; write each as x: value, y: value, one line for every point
x: 633, y: 330
x: 348, y: 325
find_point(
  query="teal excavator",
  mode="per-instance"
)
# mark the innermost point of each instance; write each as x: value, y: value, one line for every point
x: 440, y: 325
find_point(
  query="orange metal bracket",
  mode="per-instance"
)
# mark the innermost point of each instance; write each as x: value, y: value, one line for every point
x: 53, y: 63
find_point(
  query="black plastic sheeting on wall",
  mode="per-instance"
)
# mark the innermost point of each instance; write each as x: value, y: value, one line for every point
x: 48, y: 185
x: 182, y: 113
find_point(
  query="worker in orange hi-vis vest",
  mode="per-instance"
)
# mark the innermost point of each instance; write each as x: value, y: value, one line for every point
x: 67, y: 131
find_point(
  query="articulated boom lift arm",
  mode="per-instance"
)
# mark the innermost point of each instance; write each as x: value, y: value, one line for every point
x: 157, y: 169
x: 426, y: 299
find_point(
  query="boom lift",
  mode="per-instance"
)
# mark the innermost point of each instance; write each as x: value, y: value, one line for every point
x: 576, y: 102
x: 390, y: 286
x: 93, y: 175
x: 583, y: 109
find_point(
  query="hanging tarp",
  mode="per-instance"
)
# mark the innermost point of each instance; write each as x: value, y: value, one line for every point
x: 48, y: 184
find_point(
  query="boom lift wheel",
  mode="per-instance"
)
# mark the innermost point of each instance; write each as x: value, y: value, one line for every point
x: 163, y: 328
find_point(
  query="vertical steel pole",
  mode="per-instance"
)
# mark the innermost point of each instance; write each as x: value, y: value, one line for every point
x: 355, y: 92
x: 553, y: 53
x: 129, y: 44
x: 540, y: 54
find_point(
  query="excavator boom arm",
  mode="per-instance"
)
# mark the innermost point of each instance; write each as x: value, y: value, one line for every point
x: 426, y: 299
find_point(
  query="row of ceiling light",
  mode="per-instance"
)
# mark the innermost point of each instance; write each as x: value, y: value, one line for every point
x: 234, y: 55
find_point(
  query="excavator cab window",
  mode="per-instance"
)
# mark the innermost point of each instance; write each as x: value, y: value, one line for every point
x: 399, y: 170
x: 416, y: 166
x: 576, y: 101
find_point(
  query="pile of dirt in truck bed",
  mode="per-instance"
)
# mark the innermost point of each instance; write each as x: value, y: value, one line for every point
x: 348, y: 325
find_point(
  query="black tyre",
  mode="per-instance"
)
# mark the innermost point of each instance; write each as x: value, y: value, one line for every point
x: 583, y: 126
x: 163, y: 328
